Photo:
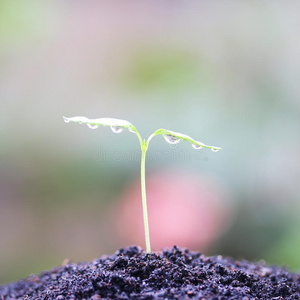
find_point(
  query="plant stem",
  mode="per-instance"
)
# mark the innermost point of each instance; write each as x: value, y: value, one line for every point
x: 144, y: 200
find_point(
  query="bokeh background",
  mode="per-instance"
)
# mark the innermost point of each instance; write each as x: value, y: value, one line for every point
x: 224, y: 72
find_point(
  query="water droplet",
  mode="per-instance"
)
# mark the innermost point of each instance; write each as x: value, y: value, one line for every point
x: 116, y: 129
x: 131, y: 130
x: 197, y: 147
x: 67, y: 120
x: 92, y: 126
x: 171, y: 139
x: 214, y: 150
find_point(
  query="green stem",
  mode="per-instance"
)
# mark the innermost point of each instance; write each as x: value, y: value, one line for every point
x: 144, y: 200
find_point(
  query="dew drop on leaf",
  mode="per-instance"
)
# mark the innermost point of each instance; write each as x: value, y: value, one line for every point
x: 197, y: 147
x: 116, y: 129
x: 92, y: 126
x: 214, y: 150
x: 171, y: 139
x: 131, y: 130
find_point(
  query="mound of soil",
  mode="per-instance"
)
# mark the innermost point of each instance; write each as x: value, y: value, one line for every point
x: 173, y: 274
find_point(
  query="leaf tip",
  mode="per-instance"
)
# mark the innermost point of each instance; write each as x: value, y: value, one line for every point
x: 67, y: 120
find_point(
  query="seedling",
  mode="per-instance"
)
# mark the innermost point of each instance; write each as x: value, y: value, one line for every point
x: 171, y: 137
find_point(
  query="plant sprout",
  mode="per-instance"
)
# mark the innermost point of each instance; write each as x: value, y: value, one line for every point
x: 171, y: 137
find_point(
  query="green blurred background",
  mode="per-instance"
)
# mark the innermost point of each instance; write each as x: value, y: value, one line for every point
x: 226, y: 72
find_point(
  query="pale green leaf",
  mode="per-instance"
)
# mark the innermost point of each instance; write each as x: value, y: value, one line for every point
x: 115, y: 124
x: 173, y: 137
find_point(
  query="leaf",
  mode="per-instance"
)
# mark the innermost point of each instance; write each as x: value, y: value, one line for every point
x: 114, y: 123
x: 173, y: 137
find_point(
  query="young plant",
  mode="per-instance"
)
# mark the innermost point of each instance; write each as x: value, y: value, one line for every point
x: 171, y: 137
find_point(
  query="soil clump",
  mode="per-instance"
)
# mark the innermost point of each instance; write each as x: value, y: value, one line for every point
x: 172, y: 274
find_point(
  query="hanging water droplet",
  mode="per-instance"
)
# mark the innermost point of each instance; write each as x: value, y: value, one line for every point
x: 171, y: 139
x: 92, y: 126
x: 130, y: 129
x: 197, y: 147
x: 214, y: 150
x: 116, y: 129
x: 67, y: 120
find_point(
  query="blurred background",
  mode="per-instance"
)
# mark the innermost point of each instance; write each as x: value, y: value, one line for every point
x: 226, y: 73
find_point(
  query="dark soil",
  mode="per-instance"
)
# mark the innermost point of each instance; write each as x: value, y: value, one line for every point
x: 173, y: 274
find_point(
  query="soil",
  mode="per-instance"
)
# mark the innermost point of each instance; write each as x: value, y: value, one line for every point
x: 172, y: 274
